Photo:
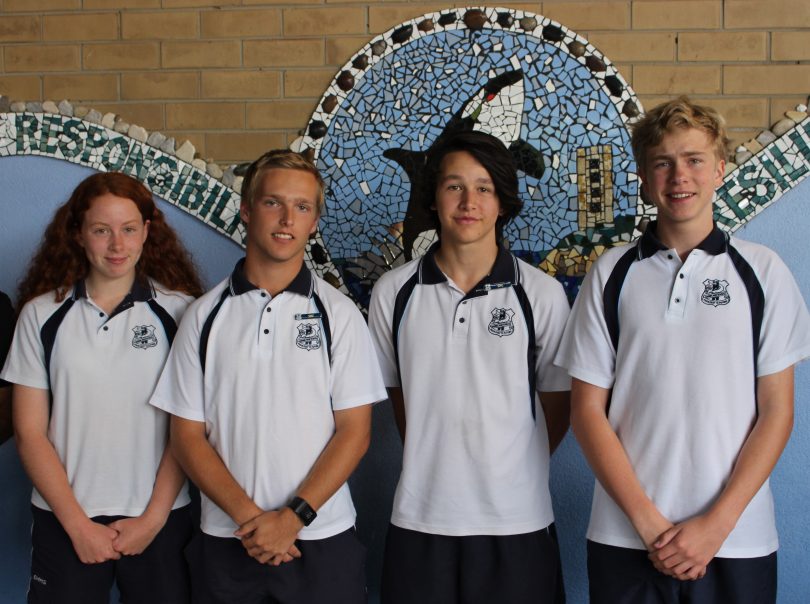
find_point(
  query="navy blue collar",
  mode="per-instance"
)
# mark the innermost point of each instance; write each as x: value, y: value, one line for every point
x: 140, y: 292
x: 301, y: 284
x: 715, y: 243
x: 503, y: 274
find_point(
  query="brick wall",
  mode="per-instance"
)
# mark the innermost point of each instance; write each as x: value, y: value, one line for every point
x: 237, y: 77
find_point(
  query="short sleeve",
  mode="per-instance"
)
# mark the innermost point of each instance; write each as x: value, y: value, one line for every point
x: 25, y: 364
x: 550, y: 317
x: 7, y: 321
x: 785, y: 332
x: 586, y: 350
x: 380, y: 319
x: 181, y: 389
x: 356, y: 378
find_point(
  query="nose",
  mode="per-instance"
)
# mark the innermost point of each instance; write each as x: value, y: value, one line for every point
x: 467, y: 199
x: 678, y: 171
x: 286, y: 215
x: 116, y: 240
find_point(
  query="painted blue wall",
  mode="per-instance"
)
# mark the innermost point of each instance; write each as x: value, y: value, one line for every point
x: 30, y: 189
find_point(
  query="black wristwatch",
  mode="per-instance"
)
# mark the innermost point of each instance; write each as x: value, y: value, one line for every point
x: 303, y: 510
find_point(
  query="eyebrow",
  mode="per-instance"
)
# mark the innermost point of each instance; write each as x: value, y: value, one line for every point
x: 484, y: 180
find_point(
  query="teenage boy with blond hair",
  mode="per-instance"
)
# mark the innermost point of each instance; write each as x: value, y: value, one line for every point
x: 681, y: 347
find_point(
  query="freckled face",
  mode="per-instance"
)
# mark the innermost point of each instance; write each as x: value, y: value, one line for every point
x: 282, y: 216
x: 112, y: 235
x: 466, y: 201
x: 681, y: 176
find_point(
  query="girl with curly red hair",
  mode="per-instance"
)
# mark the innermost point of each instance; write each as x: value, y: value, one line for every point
x: 102, y: 298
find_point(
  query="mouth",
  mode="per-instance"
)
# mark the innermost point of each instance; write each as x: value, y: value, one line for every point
x: 283, y: 236
x: 680, y: 196
x: 116, y: 260
x: 465, y: 219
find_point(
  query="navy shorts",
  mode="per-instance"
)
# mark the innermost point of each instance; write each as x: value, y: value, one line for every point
x: 422, y: 568
x: 329, y: 571
x: 619, y: 575
x: 158, y: 574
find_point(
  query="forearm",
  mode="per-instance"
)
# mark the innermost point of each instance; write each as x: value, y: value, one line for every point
x: 340, y: 456
x: 205, y: 468
x: 557, y: 413
x: 609, y: 462
x: 761, y: 449
x: 168, y: 482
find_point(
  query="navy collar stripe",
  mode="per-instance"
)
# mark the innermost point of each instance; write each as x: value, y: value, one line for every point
x: 302, y: 284
x: 714, y: 244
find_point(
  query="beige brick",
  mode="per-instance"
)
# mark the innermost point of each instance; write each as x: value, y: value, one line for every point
x: 147, y: 115
x: 672, y: 79
x: 154, y: 85
x: 85, y: 87
x: 240, y: 23
x: 766, y: 79
x: 311, y: 2
x: 279, y: 114
x: 23, y: 88
x: 225, y: 53
x: 241, y: 84
x: 283, y: 53
x: 94, y: 4
x: 307, y: 83
x: 790, y: 46
x: 198, y: 3
x: 684, y: 14
x: 127, y: 55
x: 227, y: 147
x: 761, y: 14
x: 324, y: 21
x: 589, y: 15
x: 22, y: 28
x: 740, y: 113
x: 781, y: 104
x: 626, y: 71
x: 205, y: 116
x: 159, y: 25
x: 41, y: 58
x: 723, y: 46
x: 85, y: 27
x: 633, y: 46
x: 340, y: 50
x: 14, y: 6
x: 383, y: 18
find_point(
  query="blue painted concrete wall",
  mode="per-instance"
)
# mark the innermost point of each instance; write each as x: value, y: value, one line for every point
x: 30, y: 189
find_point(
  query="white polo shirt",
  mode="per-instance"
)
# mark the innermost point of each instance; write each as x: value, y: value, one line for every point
x: 101, y: 371
x: 267, y: 392
x: 681, y: 345
x: 476, y: 448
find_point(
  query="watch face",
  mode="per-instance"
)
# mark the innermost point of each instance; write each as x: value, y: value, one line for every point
x: 553, y: 99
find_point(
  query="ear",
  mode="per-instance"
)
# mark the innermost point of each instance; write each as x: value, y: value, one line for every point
x: 146, y: 230
x: 244, y: 212
x: 720, y: 172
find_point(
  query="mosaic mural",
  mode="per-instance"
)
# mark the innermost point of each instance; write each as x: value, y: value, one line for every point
x: 552, y: 98
x: 558, y: 104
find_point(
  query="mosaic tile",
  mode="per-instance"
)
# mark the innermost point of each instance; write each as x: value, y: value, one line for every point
x: 542, y: 89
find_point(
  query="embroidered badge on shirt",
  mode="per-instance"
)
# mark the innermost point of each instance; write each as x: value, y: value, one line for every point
x: 715, y: 292
x: 309, y: 336
x: 501, y: 323
x: 144, y: 337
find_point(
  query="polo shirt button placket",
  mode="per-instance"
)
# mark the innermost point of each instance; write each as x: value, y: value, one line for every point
x: 462, y: 320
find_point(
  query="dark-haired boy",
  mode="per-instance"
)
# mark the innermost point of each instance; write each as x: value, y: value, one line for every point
x: 466, y: 336
x: 682, y: 348
x: 270, y: 383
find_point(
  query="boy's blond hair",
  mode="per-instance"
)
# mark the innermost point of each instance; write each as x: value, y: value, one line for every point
x: 279, y: 158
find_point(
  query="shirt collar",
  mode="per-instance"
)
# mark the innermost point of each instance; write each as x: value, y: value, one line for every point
x: 302, y: 283
x: 504, y: 271
x: 715, y: 243
x: 140, y: 292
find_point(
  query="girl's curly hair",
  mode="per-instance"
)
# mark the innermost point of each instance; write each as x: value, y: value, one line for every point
x: 60, y: 261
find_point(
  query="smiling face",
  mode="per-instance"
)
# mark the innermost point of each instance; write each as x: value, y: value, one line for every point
x: 466, y: 201
x: 112, y: 234
x: 281, y: 217
x: 681, y: 175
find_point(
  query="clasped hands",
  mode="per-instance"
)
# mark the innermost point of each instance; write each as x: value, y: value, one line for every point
x: 270, y: 537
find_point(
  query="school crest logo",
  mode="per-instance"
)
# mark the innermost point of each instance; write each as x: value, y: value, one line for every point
x: 144, y: 337
x: 501, y: 323
x: 715, y: 292
x: 309, y: 336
